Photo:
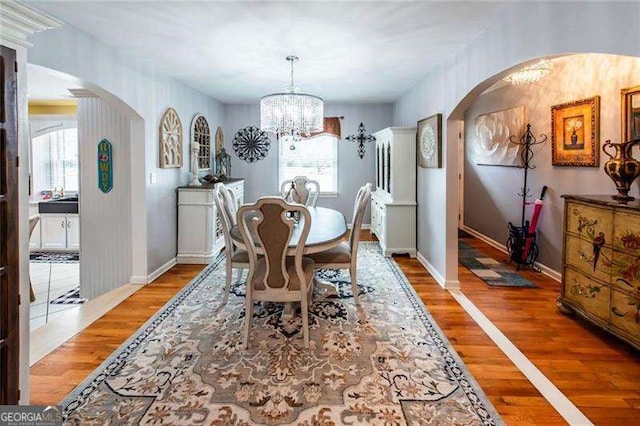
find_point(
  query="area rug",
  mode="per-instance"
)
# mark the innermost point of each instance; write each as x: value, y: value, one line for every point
x: 386, y: 362
x: 72, y: 297
x: 489, y: 270
x: 54, y: 257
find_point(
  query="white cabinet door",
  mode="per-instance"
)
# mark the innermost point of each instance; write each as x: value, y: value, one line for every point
x: 53, y: 231
x: 73, y: 232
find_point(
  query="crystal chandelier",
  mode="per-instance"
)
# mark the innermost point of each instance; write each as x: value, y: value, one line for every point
x: 530, y: 74
x: 291, y: 113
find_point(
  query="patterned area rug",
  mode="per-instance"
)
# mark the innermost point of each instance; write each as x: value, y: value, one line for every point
x: 54, y: 257
x: 72, y: 297
x: 489, y: 270
x: 384, y: 363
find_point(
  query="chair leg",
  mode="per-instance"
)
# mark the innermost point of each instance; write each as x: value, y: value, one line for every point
x: 227, y: 287
x: 247, y: 324
x: 238, y: 275
x: 353, y: 274
x: 304, y: 306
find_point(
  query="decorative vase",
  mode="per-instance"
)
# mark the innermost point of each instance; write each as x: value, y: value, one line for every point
x: 622, y: 168
x: 574, y: 138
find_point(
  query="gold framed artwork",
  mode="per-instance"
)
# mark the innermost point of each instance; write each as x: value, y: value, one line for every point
x: 630, y: 113
x: 429, y: 142
x: 575, y: 133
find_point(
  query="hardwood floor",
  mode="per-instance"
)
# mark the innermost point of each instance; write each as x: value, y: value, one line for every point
x: 598, y: 373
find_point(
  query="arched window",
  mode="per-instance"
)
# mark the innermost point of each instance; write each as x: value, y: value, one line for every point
x: 201, y: 133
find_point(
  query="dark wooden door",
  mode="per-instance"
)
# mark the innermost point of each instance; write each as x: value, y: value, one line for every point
x: 9, y: 254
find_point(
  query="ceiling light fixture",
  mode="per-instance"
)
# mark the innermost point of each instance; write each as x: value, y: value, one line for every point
x: 530, y: 74
x: 291, y: 113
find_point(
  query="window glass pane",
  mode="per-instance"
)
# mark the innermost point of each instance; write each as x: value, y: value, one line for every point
x: 55, y: 161
x: 315, y: 158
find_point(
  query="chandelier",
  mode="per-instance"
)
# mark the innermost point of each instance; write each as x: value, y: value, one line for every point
x: 530, y: 74
x: 291, y: 113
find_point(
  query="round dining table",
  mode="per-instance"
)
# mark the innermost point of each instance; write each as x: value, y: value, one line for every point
x: 328, y: 228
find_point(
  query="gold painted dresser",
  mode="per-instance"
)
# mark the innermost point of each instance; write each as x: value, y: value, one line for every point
x: 601, y: 264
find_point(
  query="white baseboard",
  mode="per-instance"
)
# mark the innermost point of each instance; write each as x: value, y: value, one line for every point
x: 161, y: 270
x: 137, y: 279
x: 551, y: 273
x: 363, y: 226
x: 446, y: 284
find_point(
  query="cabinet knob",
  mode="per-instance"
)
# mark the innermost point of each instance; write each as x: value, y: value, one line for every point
x: 62, y: 224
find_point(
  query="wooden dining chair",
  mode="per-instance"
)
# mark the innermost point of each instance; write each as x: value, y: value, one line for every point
x: 301, y: 190
x: 226, y: 207
x: 345, y: 255
x: 277, y: 275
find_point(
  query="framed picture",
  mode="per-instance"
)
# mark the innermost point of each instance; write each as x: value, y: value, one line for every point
x: 575, y: 133
x: 429, y: 142
x: 630, y: 113
x: 491, y: 145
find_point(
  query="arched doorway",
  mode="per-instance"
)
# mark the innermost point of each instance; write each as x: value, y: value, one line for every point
x: 107, y: 218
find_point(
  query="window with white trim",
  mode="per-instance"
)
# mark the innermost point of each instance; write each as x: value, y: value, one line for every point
x: 315, y: 158
x: 54, y: 159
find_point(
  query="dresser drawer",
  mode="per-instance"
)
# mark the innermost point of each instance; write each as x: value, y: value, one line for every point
x: 624, y: 312
x: 589, y: 222
x: 593, y: 297
x: 625, y: 273
x: 593, y: 262
x: 626, y: 233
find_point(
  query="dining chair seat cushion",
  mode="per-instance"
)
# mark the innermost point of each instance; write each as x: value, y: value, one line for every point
x: 261, y: 268
x: 339, y: 254
x: 240, y: 256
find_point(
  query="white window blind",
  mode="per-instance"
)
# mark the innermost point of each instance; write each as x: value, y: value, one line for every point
x: 315, y: 158
x: 55, y: 161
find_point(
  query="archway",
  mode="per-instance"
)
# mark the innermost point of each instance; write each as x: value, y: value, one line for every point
x: 108, y: 220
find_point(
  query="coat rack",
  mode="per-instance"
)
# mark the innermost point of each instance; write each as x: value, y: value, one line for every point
x: 521, y: 243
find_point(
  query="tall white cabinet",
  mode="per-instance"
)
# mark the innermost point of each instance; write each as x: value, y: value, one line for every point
x: 393, y: 203
x: 200, y: 236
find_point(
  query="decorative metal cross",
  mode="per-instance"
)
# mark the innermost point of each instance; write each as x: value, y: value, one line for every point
x: 361, y: 138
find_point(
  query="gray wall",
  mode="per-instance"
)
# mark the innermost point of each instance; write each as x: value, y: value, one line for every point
x: 353, y: 172
x: 490, y: 191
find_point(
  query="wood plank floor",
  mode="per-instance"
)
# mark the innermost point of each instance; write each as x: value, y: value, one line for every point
x: 599, y: 374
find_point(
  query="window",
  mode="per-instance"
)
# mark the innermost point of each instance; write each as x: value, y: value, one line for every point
x: 55, y: 161
x: 315, y: 158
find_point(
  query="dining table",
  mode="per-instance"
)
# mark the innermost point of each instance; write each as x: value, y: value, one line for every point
x: 328, y: 229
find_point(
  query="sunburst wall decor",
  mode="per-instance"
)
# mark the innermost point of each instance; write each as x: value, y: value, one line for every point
x: 251, y: 144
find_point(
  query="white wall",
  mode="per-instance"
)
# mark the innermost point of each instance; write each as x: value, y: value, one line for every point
x: 353, y: 172
x: 148, y: 93
x: 491, y: 192
x: 520, y: 33
x: 105, y: 219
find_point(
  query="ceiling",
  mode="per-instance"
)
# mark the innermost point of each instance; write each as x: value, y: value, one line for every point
x: 234, y: 52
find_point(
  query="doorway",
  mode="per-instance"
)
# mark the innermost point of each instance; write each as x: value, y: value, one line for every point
x: 54, y: 215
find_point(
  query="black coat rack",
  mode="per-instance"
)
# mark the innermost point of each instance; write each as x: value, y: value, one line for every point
x: 520, y: 237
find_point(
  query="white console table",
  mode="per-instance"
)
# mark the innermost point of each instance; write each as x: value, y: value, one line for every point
x: 200, y: 236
